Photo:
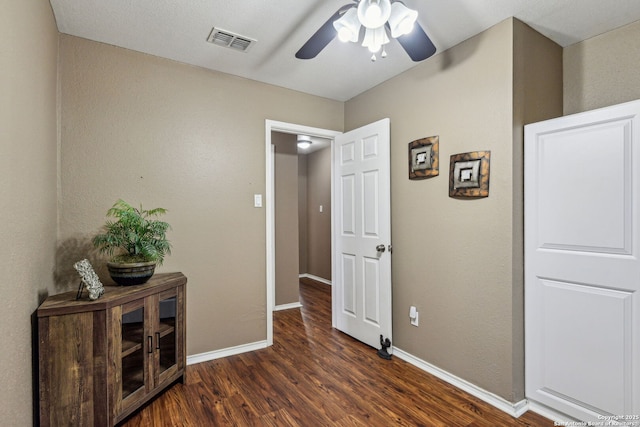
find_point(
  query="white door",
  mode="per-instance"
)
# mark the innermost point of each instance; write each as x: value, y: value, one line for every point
x: 362, y: 233
x: 582, y: 273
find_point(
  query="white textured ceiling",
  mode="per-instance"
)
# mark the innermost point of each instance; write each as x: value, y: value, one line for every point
x: 178, y: 29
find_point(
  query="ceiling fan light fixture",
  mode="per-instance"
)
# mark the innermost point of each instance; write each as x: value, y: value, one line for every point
x: 348, y: 26
x: 401, y: 20
x: 382, y: 20
x: 374, y: 13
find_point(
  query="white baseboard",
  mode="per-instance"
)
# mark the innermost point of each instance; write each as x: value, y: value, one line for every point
x: 513, y: 409
x: 225, y: 352
x: 287, y: 306
x: 552, y: 414
x: 316, y: 278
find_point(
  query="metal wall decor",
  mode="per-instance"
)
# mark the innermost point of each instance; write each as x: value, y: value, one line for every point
x: 423, y: 158
x: 469, y: 174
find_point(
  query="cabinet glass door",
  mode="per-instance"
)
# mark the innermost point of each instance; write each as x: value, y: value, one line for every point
x: 166, y: 334
x: 132, y: 350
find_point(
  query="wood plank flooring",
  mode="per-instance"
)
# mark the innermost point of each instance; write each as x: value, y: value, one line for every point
x: 314, y: 375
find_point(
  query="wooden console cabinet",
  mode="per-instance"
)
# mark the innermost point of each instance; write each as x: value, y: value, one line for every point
x: 101, y: 360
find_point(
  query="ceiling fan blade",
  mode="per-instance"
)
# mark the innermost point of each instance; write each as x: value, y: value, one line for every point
x: 321, y: 38
x: 417, y: 44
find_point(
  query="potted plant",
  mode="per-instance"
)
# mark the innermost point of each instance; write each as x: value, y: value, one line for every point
x: 135, y: 242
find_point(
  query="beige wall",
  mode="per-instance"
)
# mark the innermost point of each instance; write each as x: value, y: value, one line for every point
x: 28, y: 135
x: 603, y: 70
x: 319, y: 223
x: 286, y: 218
x: 162, y: 133
x: 458, y: 261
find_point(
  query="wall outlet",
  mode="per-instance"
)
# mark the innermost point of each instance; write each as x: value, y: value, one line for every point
x: 257, y: 200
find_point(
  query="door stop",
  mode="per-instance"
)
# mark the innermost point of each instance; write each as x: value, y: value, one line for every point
x: 385, y: 344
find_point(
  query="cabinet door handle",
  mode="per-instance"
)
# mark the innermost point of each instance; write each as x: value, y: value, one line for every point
x: 149, y: 344
x: 157, y: 340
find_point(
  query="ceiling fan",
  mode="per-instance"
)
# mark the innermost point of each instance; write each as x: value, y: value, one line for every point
x: 372, y: 21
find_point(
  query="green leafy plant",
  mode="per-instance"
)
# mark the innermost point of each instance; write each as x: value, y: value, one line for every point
x: 134, y: 234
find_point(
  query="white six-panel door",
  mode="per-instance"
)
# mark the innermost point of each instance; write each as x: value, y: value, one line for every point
x: 582, y: 272
x: 362, y: 233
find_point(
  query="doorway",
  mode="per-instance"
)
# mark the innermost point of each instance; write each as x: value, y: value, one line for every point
x: 302, y: 200
x: 286, y: 128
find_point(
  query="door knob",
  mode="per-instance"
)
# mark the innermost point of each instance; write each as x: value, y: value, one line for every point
x: 380, y: 248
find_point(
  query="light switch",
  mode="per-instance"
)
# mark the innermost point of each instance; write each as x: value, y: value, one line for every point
x: 321, y: 209
x: 414, y: 315
x: 257, y: 200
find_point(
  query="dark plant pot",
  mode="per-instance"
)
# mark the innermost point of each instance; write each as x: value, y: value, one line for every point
x: 131, y: 274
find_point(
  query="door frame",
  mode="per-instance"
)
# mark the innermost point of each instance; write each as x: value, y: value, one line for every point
x: 290, y: 128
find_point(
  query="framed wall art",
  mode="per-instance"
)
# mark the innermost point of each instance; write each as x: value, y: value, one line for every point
x: 423, y: 158
x: 469, y: 174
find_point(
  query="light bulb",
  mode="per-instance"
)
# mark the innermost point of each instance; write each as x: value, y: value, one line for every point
x: 373, y: 12
x: 401, y: 19
x: 348, y: 26
x: 345, y: 34
x: 406, y: 26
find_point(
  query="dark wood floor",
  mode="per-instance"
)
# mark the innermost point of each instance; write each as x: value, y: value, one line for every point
x: 314, y: 375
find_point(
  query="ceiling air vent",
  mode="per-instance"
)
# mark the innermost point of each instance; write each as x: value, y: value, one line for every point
x: 231, y: 40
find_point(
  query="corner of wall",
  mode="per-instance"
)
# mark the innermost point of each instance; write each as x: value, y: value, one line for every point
x: 58, y: 134
x: 537, y: 95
